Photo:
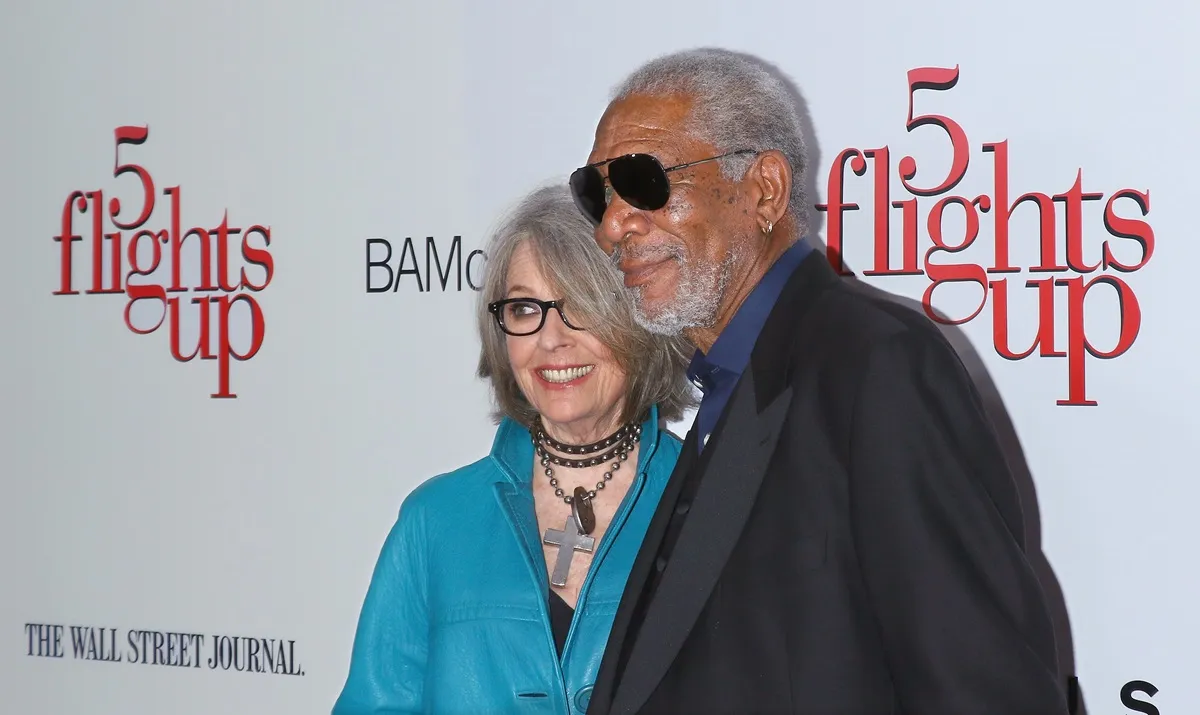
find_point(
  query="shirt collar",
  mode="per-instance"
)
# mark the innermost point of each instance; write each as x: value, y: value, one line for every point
x: 730, y: 353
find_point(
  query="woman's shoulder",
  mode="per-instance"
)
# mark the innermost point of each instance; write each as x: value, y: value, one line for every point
x: 447, y: 489
x: 469, y: 486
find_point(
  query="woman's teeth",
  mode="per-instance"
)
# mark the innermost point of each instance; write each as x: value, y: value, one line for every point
x: 565, y: 375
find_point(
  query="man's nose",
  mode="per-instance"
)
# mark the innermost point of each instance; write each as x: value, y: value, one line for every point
x: 620, y: 223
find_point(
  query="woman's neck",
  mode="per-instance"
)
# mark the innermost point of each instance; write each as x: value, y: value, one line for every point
x: 581, y: 432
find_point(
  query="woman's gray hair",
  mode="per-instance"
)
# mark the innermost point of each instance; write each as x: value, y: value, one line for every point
x: 739, y: 102
x: 564, y: 246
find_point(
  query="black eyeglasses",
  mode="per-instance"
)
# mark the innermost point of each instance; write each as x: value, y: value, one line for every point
x: 639, y: 179
x: 526, y: 316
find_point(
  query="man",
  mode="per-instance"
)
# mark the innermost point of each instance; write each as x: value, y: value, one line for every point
x: 841, y: 534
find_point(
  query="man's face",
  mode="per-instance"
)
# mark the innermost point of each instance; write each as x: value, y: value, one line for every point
x: 677, y: 261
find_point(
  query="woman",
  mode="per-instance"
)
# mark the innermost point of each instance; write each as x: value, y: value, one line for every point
x: 496, y: 588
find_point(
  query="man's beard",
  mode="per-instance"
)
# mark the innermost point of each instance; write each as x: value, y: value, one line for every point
x: 697, y: 295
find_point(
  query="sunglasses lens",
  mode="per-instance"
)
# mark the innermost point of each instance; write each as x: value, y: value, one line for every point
x: 587, y: 188
x: 640, y: 181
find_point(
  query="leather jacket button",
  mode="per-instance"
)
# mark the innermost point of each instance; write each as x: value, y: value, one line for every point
x: 660, y: 563
x: 583, y: 698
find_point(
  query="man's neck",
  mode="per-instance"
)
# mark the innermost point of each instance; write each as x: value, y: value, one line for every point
x: 740, y: 288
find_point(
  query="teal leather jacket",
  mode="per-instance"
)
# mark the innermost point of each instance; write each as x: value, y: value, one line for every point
x: 456, y: 619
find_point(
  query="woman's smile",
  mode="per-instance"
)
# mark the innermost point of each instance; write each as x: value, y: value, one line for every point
x: 565, y: 376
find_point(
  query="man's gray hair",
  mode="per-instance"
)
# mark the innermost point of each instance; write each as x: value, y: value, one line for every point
x: 740, y: 102
x: 564, y: 247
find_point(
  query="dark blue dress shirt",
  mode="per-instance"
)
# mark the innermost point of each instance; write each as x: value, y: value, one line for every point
x: 717, y: 373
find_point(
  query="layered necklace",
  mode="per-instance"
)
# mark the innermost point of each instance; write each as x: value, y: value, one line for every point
x: 575, y: 536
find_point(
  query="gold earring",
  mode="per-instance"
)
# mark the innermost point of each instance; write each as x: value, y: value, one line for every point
x: 770, y: 227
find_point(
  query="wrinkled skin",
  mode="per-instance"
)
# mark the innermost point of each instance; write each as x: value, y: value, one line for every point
x: 690, y: 264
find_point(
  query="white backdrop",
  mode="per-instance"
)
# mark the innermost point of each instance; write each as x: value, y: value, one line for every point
x: 134, y: 500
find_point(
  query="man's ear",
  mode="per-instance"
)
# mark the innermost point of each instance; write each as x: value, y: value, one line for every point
x: 769, y: 185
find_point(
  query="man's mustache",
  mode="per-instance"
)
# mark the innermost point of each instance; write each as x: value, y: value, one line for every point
x: 646, y: 254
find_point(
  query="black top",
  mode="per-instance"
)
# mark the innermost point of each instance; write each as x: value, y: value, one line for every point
x: 560, y: 620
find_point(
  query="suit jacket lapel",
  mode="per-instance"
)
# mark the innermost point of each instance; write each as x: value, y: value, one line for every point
x: 731, y: 470
x: 612, y: 666
x: 729, y: 484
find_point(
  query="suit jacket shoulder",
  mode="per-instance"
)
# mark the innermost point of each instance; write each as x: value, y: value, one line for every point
x: 850, y: 318
x: 832, y: 324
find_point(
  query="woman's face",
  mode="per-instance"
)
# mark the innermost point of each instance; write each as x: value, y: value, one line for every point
x: 568, y: 375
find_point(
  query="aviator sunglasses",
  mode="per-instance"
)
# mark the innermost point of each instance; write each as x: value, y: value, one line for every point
x: 639, y: 179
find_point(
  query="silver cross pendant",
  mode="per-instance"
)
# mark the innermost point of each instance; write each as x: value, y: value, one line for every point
x: 568, y: 540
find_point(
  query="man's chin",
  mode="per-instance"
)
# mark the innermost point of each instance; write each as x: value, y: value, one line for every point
x: 658, y: 318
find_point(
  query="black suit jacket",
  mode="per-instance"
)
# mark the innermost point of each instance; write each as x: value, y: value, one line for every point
x: 850, y: 542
